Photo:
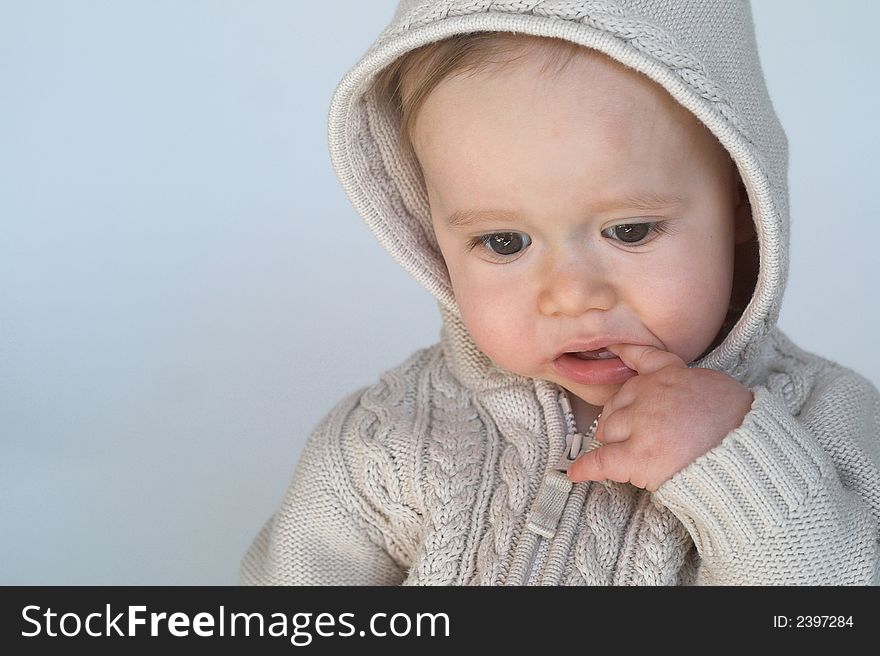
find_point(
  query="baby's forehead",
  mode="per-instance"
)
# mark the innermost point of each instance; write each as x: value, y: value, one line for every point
x: 591, y: 93
x: 554, y: 63
x: 573, y: 113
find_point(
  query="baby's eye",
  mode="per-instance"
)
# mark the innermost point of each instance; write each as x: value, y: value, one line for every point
x: 634, y: 233
x: 503, y: 244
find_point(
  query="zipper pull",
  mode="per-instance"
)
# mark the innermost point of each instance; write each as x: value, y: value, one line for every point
x: 575, y: 442
x: 575, y: 445
x: 549, y: 504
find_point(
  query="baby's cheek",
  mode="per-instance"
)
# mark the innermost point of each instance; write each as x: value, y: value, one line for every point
x: 498, y: 328
x: 689, y: 313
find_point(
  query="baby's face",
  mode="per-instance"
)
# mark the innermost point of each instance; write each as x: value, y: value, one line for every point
x: 607, y: 215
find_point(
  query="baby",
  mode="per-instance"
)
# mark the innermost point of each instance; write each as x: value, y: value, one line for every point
x: 596, y: 195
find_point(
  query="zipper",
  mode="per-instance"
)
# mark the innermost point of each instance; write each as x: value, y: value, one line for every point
x: 539, y: 554
x: 553, y: 495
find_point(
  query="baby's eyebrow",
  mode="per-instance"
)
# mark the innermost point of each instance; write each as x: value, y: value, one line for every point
x: 466, y: 218
x: 643, y: 201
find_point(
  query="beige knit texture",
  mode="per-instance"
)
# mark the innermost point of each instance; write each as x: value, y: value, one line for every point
x: 442, y: 473
x: 421, y: 480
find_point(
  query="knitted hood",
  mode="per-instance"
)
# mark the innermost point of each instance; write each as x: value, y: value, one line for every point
x: 703, y: 53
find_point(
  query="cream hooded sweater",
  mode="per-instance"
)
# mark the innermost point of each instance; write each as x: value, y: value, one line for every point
x: 443, y: 472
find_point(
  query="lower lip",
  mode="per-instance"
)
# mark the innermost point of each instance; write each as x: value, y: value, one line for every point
x: 593, y: 372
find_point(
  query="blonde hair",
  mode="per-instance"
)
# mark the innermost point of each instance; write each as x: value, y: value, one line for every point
x: 404, y: 84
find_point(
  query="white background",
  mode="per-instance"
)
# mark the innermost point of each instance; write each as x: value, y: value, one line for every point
x: 185, y: 290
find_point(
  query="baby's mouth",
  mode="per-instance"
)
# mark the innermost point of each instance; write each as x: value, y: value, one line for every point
x: 598, y: 354
x: 597, y: 367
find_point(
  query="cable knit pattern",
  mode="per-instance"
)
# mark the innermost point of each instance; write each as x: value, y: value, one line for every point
x: 456, y: 451
x: 522, y: 453
x: 436, y: 490
x: 442, y: 473
x: 606, y: 514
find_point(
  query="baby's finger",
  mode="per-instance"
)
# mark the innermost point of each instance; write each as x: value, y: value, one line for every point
x: 610, y: 462
x: 614, y: 427
x: 645, y: 359
x: 625, y: 396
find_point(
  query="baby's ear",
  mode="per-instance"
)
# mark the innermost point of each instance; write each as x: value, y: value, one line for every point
x: 744, y: 222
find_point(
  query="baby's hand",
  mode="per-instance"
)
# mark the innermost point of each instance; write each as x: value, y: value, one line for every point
x: 661, y: 420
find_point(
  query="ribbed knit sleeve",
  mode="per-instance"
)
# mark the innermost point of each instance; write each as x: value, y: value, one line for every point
x: 789, y: 500
x: 326, y: 531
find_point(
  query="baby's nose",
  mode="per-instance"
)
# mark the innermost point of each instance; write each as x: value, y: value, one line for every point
x: 573, y: 288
